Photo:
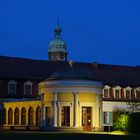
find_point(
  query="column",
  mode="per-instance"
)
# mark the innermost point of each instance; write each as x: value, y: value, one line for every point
x: 13, y: 122
x: 19, y: 116
x: 6, y: 116
x: 55, y: 110
x: 97, y: 111
x: 101, y: 113
x: 34, y: 116
x: 27, y: 122
x: 75, y: 109
x: 59, y: 115
x: 43, y: 116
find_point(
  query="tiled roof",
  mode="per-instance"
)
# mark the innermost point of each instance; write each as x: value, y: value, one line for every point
x: 20, y: 68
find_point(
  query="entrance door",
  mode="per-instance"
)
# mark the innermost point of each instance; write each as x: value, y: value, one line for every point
x: 65, y: 116
x: 86, y: 118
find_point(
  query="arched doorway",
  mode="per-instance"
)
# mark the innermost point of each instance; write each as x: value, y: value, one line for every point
x: 10, y: 116
x: 23, y: 116
x: 38, y: 116
x: 16, y: 116
x: 31, y: 116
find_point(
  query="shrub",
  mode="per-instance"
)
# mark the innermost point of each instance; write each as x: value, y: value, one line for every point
x: 120, y: 119
x: 134, y: 123
x: 121, y: 123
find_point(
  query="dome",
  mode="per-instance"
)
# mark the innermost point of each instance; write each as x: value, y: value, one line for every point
x: 75, y: 72
x: 57, y: 44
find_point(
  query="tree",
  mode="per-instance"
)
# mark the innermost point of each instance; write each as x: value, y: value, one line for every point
x: 133, y: 106
x: 120, y: 119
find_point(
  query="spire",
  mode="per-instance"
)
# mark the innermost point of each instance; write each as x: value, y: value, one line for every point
x: 58, y: 30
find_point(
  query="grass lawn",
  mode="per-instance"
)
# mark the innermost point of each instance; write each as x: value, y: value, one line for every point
x: 29, y: 135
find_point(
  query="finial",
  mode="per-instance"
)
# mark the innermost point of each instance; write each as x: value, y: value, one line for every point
x: 58, y: 29
x: 71, y: 63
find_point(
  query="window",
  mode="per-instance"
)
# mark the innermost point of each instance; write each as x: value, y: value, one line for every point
x: 65, y: 116
x: 128, y: 94
x: 12, y: 87
x: 108, y: 118
x: 117, y: 93
x: 48, y: 116
x: 28, y: 88
x: 137, y: 93
x: 106, y: 93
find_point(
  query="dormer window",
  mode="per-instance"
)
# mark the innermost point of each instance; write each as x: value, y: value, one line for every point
x: 28, y: 88
x: 12, y: 87
x: 127, y: 92
x: 137, y: 93
x: 106, y: 91
x: 117, y: 92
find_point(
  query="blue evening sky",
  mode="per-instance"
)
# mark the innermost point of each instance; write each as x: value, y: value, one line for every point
x: 102, y: 31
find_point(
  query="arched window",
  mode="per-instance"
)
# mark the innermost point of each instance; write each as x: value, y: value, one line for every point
x: 23, y: 116
x: 28, y: 88
x: 31, y: 116
x: 38, y: 116
x: 10, y: 116
x: 12, y: 87
x: 16, y: 116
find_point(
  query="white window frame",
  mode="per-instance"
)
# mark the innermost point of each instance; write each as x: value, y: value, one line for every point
x: 30, y: 84
x: 9, y: 89
x: 108, y: 88
x: 108, y: 118
x: 135, y: 91
x: 130, y: 90
x: 114, y: 92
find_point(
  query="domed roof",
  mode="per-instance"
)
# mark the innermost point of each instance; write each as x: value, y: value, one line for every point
x: 57, y: 44
x: 75, y: 72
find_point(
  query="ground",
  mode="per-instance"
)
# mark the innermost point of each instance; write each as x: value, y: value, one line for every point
x: 18, y: 135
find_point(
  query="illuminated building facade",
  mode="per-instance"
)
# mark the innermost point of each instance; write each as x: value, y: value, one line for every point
x: 56, y: 94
